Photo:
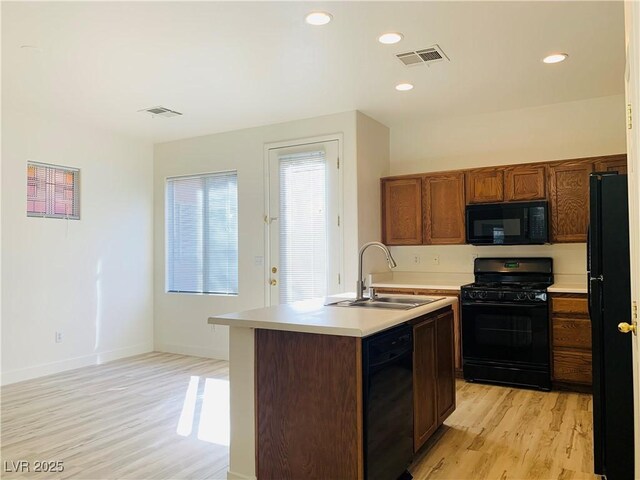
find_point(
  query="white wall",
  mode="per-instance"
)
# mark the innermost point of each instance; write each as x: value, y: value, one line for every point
x: 90, y: 278
x: 552, y: 132
x: 181, y: 320
x: 583, y: 128
x: 373, y: 163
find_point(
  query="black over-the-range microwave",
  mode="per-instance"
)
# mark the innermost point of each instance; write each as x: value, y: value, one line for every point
x: 516, y: 223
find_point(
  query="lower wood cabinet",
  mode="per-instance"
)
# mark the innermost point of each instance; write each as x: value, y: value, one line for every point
x: 309, y: 398
x: 457, y: 328
x: 445, y: 374
x: 309, y: 414
x: 425, y: 408
x: 571, y: 343
x: 433, y: 375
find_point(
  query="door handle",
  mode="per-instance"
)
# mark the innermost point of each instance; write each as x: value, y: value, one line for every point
x: 273, y: 282
x: 624, y: 327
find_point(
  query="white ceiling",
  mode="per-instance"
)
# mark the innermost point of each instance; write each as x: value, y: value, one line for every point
x: 235, y: 65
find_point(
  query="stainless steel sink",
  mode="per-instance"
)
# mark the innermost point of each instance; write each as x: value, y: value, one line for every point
x: 395, y: 303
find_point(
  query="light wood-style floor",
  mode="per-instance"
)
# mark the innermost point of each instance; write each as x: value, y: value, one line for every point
x: 114, y: 421
x: 121, y: 421
x: 506, y: 433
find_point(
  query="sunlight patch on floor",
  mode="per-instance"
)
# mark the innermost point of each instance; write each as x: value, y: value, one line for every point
x: 213, y: 413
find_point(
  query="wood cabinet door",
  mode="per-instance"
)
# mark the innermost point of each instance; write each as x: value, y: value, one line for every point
x: 308, y: 391
x: 612, y: 163
x: 425, y: 414
x: 485, y: 186
x: 526, y: 182
x: 445, y: 376
x: 402, y: 211
x: 443, y: 209
x: 572, y: 366
x: 569, y: 200
x: 572, y: 333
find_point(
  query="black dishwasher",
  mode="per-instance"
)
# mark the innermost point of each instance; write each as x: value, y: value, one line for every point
x: 387, y: 382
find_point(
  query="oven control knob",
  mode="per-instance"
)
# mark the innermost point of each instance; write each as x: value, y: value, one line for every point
x: 472, y: 294
x: 521, y: 296
x: 482, y: 294
x: 531, y: 295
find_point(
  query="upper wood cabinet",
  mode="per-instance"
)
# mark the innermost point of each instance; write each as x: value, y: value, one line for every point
x: 525, y: 182
x: 485, y: 185
x: 429, y: 209
x: 569, y: 200
x: 402, y: 211
x: 443, y: 208
x: 611, y: 163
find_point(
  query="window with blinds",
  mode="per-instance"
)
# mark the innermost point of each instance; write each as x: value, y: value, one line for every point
x: 53, y: 191
x: 202, y: 233
x: 303, y: 226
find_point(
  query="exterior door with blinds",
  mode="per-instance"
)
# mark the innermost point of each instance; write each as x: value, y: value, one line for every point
x: 304, y: 233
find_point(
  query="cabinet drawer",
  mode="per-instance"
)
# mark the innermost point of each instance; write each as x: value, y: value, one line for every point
x: 572, y: 366
x: 571, y: 305
x: 572, y: 332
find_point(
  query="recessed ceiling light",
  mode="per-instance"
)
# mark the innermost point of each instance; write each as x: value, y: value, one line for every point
x: 390, y: 38
x: 318, y: 18
x: 404, y: 87
x: 555, y: 58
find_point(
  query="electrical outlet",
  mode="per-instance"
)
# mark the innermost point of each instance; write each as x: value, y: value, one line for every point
x: 416, y: 259
x: 59, y: 336
x: 435, y: 259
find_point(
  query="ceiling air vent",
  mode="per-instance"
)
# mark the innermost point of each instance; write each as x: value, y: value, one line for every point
x: 429, y: 55
x: 160, y: 112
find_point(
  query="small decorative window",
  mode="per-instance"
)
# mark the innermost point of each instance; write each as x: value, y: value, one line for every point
x: 53, y: 191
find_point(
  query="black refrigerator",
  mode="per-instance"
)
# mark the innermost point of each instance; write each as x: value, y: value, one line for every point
x: 609, y: 285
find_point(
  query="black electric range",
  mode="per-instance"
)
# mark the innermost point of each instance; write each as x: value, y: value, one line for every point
x: 505, y: 322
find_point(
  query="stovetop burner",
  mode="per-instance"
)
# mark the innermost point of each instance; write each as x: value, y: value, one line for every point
x: 509, y: 280
x: 507, y: 286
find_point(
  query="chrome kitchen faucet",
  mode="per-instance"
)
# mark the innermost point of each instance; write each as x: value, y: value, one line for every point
x: 390, y: 261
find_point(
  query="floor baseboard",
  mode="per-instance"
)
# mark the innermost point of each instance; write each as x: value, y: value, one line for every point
x: 36, y: 371
x: 216, y: 353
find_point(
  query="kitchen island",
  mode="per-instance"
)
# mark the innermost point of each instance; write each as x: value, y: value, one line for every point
x: 296, y: 395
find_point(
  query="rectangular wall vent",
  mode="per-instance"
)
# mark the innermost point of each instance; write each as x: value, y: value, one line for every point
x: 160, y: 112
x: 427, y: 56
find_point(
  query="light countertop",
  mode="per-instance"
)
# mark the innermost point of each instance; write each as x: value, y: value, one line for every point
x: 313, y: 316
x: 420, y: 280
x: 564, y: 283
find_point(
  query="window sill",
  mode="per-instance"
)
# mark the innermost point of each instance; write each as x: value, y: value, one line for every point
x: 202, y: 294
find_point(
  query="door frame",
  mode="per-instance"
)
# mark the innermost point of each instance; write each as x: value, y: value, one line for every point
x: 632, y: 84
x: 300, y: 142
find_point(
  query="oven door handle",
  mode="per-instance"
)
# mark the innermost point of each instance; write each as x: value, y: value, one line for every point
x: 504, y: 304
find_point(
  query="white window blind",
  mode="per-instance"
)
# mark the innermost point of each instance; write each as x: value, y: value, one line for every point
x: 202, y: 233
x: 303, y: 226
